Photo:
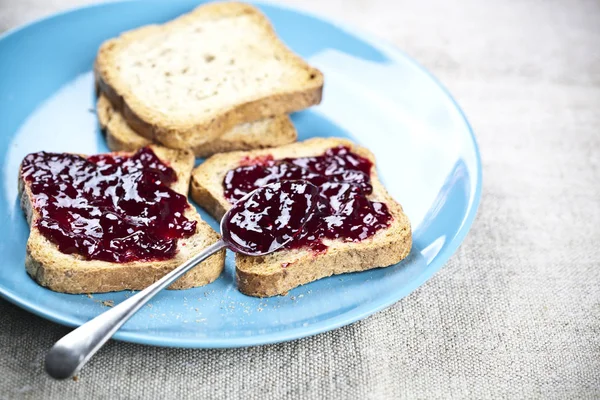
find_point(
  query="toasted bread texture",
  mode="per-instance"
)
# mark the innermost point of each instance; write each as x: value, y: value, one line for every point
x: 268, y: 132
x: 283, y: 270
x: 190, y: 80
x: 71, y: 273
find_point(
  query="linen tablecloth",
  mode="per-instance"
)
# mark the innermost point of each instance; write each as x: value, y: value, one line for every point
x: 516, y: 311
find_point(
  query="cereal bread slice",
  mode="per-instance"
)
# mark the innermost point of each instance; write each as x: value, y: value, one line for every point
x: 188, y: 81
x: 268, y: 132
x: 283, y: 270
x: 71, y: 273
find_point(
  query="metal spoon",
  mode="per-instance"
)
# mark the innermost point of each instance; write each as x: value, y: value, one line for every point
x: 74, y: 350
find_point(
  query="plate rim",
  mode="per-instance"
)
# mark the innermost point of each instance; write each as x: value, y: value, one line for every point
x: 323, y: 326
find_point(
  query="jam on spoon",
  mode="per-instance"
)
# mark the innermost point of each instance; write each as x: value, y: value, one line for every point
x: 267, y: 219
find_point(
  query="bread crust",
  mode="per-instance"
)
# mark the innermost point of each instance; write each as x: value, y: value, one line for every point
x: 194, y: 131
x: 71, y: 273
x: 283, y: 270
x: 269, y: 132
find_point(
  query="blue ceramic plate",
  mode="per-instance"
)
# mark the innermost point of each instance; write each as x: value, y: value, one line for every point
x: 374, y: 94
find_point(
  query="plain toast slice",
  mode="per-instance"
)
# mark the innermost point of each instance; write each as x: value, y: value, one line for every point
x: 188, y: 81
x: 268, y: 132
x: 283, y: 270
x: 71, y: 273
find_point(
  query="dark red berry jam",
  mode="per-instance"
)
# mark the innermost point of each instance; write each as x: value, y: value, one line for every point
x: 108, y: 207
x: 270, y: 217
x: 343, y: 210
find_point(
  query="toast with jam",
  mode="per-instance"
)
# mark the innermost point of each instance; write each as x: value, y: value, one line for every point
x: 268, y: 132
x: 113, y: 221
x: 356, y: 226
x: 189, y: 81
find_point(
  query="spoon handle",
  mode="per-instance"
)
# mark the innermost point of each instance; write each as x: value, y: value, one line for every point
x: 74, y: 350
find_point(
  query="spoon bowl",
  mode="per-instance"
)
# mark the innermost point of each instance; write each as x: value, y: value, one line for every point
x: 269, y: 217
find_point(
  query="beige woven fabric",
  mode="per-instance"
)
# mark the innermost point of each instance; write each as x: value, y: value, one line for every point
x: 514, y: 314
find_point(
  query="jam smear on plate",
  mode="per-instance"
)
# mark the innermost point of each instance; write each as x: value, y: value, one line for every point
x: 108, y: 207
x: 343, y: 178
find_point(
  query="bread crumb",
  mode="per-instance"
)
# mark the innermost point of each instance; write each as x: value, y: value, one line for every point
x: 75, y: 378
x: 90, y: 296
x: 108, y: 303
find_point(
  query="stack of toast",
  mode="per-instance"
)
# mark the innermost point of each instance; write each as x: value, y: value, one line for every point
x: 216, y: 83
x: 215, y: 80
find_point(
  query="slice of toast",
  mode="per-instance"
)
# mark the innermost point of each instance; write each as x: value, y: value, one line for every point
x: 283, y: 270
x: 71, y: 273
x: 190, y: 80
x: 268, y: 132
